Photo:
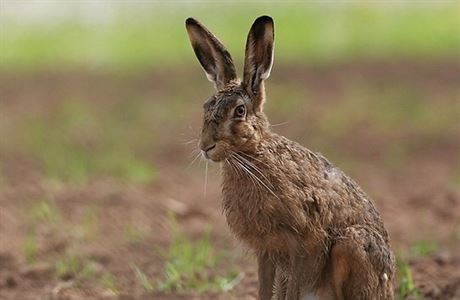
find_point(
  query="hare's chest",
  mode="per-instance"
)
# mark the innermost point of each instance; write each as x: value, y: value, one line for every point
x: 256, y: 223
x: 257, y: 233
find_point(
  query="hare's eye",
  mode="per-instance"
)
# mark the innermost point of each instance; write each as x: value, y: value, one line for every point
x: 240, y: 111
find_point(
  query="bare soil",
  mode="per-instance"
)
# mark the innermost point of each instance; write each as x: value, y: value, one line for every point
x: 418, y: 197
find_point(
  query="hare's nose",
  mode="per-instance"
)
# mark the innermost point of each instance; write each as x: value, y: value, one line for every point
x: 208, y: 148
x: 205, y: 150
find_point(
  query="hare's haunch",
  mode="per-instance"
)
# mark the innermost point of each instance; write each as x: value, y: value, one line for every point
x: 316, y: 234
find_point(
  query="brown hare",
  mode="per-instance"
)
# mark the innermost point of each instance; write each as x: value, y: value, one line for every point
x: 315, y: 233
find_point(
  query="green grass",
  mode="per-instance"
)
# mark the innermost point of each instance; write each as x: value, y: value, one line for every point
x: 135, y: 235
x: 69, y: 265
x: 29, y: 247
x: 406, y: 283
x: 45, y: 211
x: 41, y: 212
x: 396, y: 107
x: 110, y: 283
x: 189, y: 265
x: 455, y: 236
x: 154, y: 35
x: 74, y: 143
x: 423, y: 248
x: 185, y: 261
x: 143, y: 279
x: 72, y: 266
x: 89, y: 223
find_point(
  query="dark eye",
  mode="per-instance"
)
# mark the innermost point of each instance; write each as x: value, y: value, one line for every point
x: 240, y: 111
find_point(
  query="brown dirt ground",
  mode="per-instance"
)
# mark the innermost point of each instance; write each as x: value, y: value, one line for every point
x: 418, y: 200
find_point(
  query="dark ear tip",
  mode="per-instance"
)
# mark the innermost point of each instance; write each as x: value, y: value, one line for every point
x: 191, y: 21
x: 264, y: 19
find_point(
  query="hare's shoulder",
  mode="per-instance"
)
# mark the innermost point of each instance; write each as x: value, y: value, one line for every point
x: 292, y: 158
x: 326, y: 191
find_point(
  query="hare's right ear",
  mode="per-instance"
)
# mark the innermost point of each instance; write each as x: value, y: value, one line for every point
x: 214, y: 58
x: 259, y: 57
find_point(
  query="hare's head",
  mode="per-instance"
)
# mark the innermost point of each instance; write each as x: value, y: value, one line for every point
x: 233, y: 117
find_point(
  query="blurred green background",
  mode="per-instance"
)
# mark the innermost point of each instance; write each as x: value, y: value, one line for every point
x: 100, y: 109
x: 141, y: 36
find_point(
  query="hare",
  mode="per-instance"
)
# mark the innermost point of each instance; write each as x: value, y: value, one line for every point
x: 315, y: 233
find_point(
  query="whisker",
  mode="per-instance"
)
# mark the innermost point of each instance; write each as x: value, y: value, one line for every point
x: 252, y: 165
x: 194, y: 151
x: 244, y: 169
x: 254, y: 176
x: 205, y: 179
x: 255, y: 168
x: 252, y: 157
x: 241, y: 168
x: 231, y: 165
x: 194, y: 131
x: 279, y: 124
x: 191, y: 141
x: 202, y: 158
x: 238, y: 170
x: 193, y: 161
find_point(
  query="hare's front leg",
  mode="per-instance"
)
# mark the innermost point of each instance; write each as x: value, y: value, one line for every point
x: 295, y: 274
x: 266, y: 276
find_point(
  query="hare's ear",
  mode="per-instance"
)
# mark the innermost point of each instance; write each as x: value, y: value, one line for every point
x: 214, y: 58
x: 259, y: 55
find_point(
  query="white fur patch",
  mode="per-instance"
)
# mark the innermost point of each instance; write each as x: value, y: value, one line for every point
x: 210, y: 76
x: 267, y: 72
x: 385, y: 276
x: 333, y: 175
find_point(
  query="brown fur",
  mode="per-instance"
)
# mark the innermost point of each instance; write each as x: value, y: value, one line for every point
x: 313, y: 229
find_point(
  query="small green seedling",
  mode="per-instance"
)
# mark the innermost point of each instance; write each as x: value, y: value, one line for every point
x: 72, y: 266
x: 134, y: 234
x: 45, y: 211
x: 423, y: 248
x: 29, y: 248
x: 406, y: 283
x: 189, y: 265
x: 142, y: 278
x: 109, y: 282
x: 89, y: 223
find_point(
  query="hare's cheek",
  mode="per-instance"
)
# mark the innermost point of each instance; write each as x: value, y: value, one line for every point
x: 242, y: 130
x: 232, y: 131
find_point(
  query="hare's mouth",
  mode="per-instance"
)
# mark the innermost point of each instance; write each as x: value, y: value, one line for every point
x: 212, y: 156
x: 215, y: 154
x: 207, y: 156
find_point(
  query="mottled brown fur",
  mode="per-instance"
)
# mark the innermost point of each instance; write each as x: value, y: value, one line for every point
x: 315, y: 233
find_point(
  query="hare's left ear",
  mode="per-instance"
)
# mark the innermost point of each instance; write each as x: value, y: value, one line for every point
x: 259, y: 55
x: 213, y: 56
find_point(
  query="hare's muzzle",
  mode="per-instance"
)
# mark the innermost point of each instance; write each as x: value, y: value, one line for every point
x: 206, y: 149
